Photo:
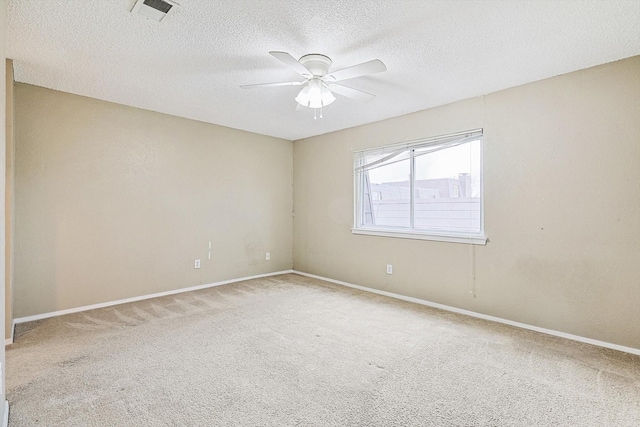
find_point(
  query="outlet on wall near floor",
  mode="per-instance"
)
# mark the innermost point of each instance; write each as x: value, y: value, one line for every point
x: 267, y: 256
x: 389, y: 269
x: 196, y: 264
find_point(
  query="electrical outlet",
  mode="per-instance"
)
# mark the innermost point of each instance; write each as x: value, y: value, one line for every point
x: 389, y: 269
x: 196, y: 264
x: 267, y: 256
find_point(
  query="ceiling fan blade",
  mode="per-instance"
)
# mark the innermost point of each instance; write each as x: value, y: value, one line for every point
x: 292, y: 63
x: 273, y: 84
x: 369, y: 67
x: 352, y: 93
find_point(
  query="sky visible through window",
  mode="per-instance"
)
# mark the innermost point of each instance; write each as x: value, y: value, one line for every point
x: 447, y: 163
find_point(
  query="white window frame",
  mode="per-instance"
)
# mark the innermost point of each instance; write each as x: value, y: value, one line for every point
x: 477, y: 238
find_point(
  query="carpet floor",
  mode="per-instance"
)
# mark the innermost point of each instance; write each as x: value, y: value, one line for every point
x: 294, y: 351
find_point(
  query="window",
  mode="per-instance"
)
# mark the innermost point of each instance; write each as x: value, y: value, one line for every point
x: 427, y: 189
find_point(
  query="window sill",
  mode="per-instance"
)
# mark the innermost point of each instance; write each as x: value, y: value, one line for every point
x: 474, y: 240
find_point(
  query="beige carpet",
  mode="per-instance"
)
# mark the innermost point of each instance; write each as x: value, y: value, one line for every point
x: 294, y: 351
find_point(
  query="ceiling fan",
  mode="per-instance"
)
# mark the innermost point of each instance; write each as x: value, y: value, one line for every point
x: 319, y: 84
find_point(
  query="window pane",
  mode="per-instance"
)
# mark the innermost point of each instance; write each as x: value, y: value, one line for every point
x: 447, y: 189
x: 387, y: 195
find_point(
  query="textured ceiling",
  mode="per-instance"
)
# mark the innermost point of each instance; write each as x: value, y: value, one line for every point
x: 193, y: 63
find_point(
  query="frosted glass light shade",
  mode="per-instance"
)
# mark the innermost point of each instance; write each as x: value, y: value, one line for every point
x: 315, y: 95
x: 303, y: 96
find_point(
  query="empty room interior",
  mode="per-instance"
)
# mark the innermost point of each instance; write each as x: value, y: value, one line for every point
x: 341, y: 213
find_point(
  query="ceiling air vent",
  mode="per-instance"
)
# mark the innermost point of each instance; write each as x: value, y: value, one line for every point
x: 156, y: 10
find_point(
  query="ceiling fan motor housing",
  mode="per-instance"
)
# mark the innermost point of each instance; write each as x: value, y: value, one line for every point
x: 316, y: 63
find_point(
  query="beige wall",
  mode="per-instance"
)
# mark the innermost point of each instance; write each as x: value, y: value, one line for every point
x: 114, y: 202
x: 562, y: 207
x: 3, y: 91
x: 8, y: 203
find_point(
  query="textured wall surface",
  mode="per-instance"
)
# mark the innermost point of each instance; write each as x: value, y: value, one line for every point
x: 8, y: 201
x: 562, y: 207
x: 3, y: 91
x: 114, y: 202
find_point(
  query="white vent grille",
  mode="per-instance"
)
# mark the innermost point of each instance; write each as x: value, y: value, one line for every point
x: 156, y: 10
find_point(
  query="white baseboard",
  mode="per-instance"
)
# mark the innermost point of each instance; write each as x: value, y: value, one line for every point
x: 5, y: 422
x: 139, y: 298
x: 479, y: 315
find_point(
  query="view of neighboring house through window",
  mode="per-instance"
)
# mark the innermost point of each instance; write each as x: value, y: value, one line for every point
x: 431, y: 187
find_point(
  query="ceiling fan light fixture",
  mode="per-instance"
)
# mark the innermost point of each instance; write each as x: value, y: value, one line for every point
x: 315, y: 95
